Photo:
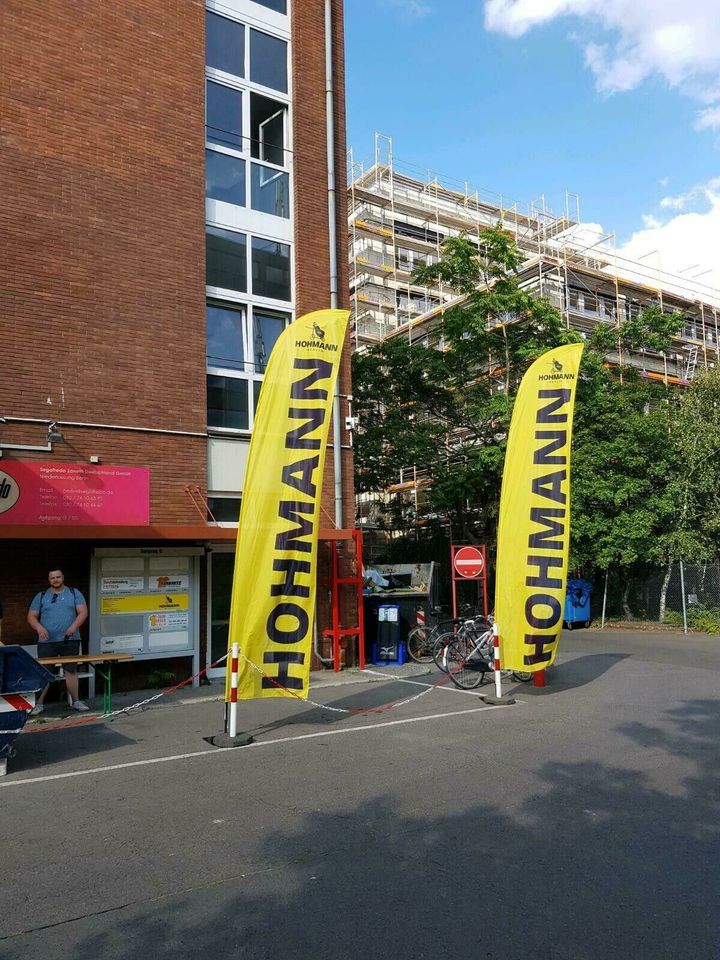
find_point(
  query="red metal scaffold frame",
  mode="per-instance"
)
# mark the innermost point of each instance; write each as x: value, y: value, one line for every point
x: 337, y: 632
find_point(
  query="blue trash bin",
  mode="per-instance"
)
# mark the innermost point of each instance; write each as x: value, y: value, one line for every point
x: 577, y: 603
x: 21, y: 677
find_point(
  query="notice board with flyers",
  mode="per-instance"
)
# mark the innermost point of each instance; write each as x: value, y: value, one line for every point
x: 144, y: 601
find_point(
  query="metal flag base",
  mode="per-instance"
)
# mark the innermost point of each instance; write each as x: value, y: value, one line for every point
x: 494, y: 701
x: 225, y: 740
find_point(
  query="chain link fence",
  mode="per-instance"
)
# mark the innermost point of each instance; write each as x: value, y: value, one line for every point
x: 684, y: 596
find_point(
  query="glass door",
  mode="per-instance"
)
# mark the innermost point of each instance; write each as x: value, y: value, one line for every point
x: 220, y: 576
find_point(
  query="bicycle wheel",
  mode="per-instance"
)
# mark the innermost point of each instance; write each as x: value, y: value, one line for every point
x: 419, y: 644
x: 524, y: 676
x: 439, y: 647
x: 464, y: 664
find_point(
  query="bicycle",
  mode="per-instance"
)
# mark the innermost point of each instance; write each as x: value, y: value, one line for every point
x: 421, y: 640
x: 468, y: 659
x: 467, y: 630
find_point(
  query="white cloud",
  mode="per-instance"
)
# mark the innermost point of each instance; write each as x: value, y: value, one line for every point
x: 679, y: 252
x: 686, y: 243
x: 709, y: 118
x: 650, y: 222
x: 675, y: 203
x: 704, y: 193
x: 637, y: 39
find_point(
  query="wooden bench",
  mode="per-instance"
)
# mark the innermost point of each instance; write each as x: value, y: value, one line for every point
x: 94, y: 660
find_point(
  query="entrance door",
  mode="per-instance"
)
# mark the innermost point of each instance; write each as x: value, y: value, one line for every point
x: 220, y: 576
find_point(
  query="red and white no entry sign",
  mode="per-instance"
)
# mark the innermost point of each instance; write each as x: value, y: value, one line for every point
x: 469, y: 563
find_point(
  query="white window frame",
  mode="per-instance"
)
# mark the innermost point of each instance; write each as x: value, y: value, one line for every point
x: 249, y: 372
x: 252, y: 223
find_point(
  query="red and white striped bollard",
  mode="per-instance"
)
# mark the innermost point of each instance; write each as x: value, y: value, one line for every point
x: 496, y: 660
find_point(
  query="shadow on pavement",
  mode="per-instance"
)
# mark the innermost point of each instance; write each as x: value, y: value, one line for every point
x: 600, y: 862
x: 38, y: 748
x: 371, y: 702
x: 578, y: 672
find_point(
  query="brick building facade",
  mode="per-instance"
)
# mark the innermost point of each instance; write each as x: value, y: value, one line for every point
x: 165, y: 213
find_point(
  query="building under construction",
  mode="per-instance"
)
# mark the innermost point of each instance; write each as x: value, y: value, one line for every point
x: 399, y: 220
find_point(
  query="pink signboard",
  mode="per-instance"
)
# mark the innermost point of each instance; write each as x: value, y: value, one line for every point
x: 73, y: 493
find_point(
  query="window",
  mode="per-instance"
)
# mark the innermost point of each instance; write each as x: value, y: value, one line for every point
x: 224, y: 510
x: 226, y: 259
x: 224, y: 177
x: 224, y: 44
x: 279, y: 5
x: 590, y: 303
x: 268, y: 61
x: 228, y: 402
x: 270, y: 191
x: 270, y: 269
x: 223, y: 115
x: 607, y: 308
x: 267, y: 327
x: 225, y: 341
x: 267, y: 129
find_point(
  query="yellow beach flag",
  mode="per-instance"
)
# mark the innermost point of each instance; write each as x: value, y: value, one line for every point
x: 534, y: 525
x: 273, y: 593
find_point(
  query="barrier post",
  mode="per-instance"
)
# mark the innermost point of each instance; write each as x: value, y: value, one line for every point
x: 232, y: 738
x: 497, y: 699
x: 496, y: 661
x: 234, y: 670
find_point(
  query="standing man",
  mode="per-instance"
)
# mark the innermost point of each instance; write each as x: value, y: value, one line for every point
x: 55, y: 614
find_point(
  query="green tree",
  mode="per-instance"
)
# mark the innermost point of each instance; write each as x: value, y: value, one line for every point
x: 694, y: 488
x: 447, y: 410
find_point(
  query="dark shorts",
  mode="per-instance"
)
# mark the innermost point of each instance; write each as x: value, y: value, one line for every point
x: 61, y: 648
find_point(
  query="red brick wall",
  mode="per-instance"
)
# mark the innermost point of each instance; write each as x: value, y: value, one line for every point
x: 102, y: 267
x: 102, y: 286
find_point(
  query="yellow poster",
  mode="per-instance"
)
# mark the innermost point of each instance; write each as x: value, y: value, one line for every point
x: 534, y: 524
x: 144, y: 603
x: 273, y: 595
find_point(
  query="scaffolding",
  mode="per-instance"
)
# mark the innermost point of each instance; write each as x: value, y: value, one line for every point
x: 400, y: 216
x: 399, y: 222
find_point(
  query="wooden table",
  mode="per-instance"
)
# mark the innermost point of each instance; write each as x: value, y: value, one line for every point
x: 94, y: 660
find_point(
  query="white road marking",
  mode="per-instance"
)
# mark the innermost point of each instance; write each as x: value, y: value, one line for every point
x: 219, y: 751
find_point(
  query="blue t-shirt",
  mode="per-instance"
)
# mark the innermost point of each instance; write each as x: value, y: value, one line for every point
x: 57, y: 615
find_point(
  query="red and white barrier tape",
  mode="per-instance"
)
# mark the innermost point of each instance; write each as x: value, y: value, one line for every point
x: 236, y: 655
x: 353, y: 711
x: 43, y: 728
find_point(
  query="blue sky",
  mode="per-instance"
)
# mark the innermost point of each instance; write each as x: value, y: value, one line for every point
x: 530, y: 97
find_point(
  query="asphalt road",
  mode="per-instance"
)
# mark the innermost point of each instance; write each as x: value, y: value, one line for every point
x: 581, y: 823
